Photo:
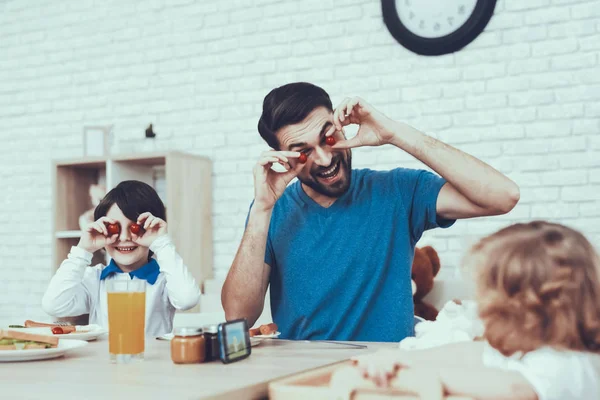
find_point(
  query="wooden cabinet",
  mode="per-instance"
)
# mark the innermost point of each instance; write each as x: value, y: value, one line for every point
x: 183, y: 181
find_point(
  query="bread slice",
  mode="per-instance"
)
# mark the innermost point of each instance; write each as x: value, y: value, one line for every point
x: 12, y: 340
x: 26, y: 346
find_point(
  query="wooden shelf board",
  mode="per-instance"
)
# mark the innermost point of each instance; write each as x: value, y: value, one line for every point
x: 88, y: 162
x: 142, y: 158
x: 153, y: 161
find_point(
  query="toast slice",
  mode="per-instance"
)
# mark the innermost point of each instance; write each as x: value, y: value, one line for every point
x: 18, y: 340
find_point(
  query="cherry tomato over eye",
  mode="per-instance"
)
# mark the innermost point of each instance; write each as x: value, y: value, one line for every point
x: 302, y: 158
x: 113, y: 229
x: 135, y: 228
x: 330, y: 140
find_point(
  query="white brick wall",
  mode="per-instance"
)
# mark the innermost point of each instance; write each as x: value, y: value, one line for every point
x: 525, y: 97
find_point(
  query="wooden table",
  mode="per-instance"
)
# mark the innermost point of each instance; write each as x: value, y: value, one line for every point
x: 87, y: 373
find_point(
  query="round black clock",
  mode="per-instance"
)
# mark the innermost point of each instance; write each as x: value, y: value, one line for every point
x: 436, y: 27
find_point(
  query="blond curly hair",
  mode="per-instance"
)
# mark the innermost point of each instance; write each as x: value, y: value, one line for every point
x: 538, y: 284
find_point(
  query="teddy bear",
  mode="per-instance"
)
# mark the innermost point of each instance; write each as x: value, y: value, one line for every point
x: 426, y: 265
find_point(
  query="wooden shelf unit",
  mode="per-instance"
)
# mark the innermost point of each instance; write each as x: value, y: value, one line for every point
x: 187, y: 196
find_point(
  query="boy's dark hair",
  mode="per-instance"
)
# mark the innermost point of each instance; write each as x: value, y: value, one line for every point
x: 133, y: 198
x: 288, y: 105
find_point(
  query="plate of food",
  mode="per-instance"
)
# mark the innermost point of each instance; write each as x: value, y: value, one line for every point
x: 70, y: 332
x: 266, y: 331
x: 18, y: 345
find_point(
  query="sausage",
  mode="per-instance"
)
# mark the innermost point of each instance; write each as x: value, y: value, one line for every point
x: 254, y: 332
x: 268, y: 329
x: 65, y: 329
x: 32, y: 324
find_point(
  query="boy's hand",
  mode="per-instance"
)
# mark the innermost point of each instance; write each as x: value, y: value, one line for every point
x: 96, y: 235
x: 152, y: 228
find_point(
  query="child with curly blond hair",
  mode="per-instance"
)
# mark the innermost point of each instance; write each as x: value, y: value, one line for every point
x: 538, y: 296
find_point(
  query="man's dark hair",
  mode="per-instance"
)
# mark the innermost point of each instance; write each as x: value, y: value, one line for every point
x: 133, y: 198
x: 288, y: 105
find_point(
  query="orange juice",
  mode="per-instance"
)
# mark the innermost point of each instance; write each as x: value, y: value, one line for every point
x: 126, y: 322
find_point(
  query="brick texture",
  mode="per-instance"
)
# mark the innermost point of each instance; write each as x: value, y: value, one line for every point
x: 524, y: 97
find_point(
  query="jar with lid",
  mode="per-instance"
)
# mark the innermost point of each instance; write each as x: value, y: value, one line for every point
x: 212, y: 342
x: 188, y: 346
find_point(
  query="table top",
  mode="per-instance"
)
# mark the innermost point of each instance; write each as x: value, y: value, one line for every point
x: 87, y: 372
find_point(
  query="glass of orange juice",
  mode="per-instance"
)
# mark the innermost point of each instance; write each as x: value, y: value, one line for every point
x: 126, y: 319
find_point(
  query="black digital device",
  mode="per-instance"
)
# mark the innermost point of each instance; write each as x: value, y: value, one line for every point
x: 234, y: 341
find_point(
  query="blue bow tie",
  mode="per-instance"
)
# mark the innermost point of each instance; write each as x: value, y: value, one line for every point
x: 148, y: 272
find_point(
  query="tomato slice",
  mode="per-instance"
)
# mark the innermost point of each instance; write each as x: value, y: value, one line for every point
x: 135, y: 228
x: 57, y: 330
x: 113, y: 229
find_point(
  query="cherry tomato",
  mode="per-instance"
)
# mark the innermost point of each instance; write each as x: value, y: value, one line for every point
x: 113, y: 229
x: 302, y: 158
x: 135, y: 228
x: 57, y: 330
x: 330, y: 140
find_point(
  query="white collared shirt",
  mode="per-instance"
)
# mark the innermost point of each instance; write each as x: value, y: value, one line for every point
x: 76, y: 289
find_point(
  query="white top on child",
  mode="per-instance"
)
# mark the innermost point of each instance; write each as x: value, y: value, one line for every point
x: 76, y: 289
x: 554, y: 374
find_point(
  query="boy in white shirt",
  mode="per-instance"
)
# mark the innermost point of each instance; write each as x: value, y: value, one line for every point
x: 538, y: 295
x: 130, y: 225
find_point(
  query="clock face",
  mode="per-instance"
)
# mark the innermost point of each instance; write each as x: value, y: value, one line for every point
x: 436, y: 27
x: 434, y: 18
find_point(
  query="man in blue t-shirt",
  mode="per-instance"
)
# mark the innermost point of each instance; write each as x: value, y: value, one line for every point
x: 337, y: 245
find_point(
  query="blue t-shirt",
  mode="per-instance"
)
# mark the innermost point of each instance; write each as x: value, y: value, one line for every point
x: 344, y: 272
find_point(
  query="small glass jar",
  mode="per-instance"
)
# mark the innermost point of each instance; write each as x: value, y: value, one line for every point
x: 212, y: 342
x: 188, y: 346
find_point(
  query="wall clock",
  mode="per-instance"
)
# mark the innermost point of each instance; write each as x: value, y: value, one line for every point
x: 436, y: 27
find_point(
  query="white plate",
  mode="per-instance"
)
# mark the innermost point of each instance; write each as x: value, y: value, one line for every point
x: 94, y: 333
x: 256, y: 340
x: 167, y: 336
x: 63, y: 347
x: 271, y: 336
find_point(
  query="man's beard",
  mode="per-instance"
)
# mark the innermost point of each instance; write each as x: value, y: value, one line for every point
x: 338, y: 188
